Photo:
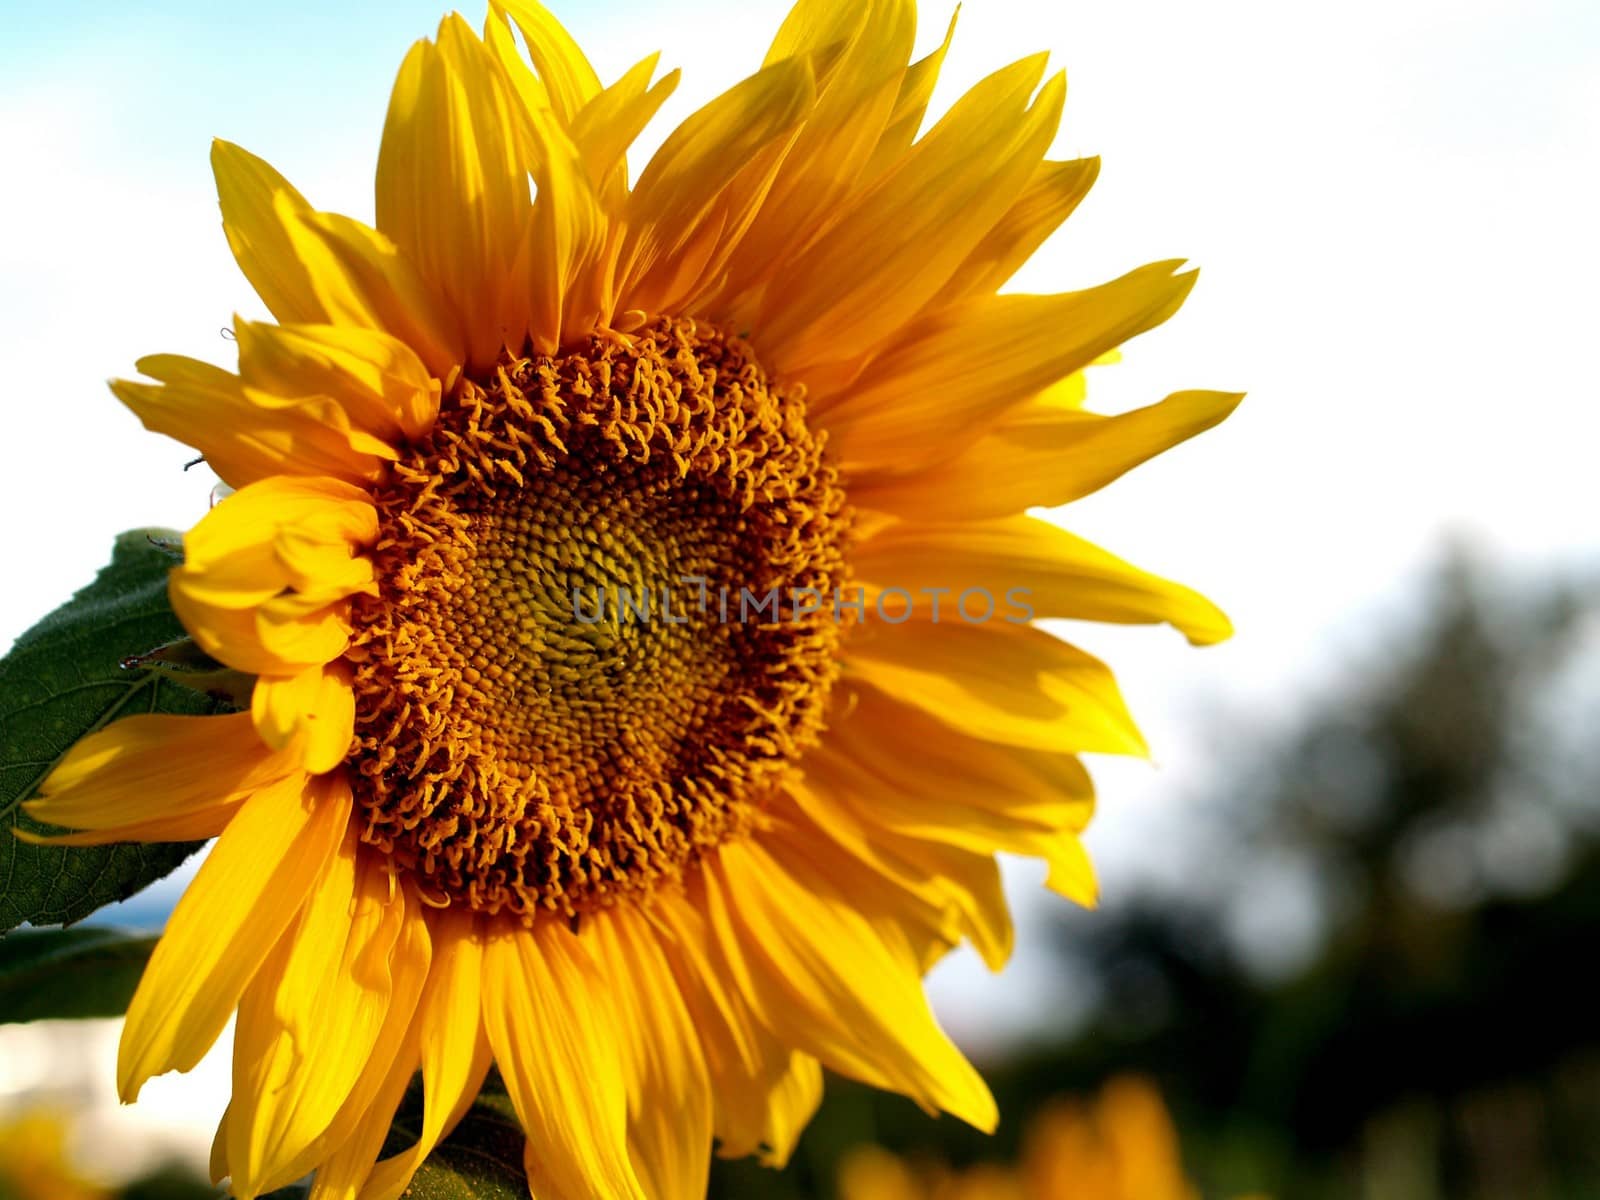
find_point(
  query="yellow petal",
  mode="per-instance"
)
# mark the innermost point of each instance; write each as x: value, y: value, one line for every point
x: 316, y: 705
x: 910, y: 106
x: 1011, y: 684
x: 362, y: 282
x: 266, y: 574
x: 1069, y: 393
x: 932, y: 894
x: 153, y: 767
x: 198, y: 825
x: 244, y: 896
x: 374, y: 376
x: 565, y: 240
x: 311, y: 1018
x: 577, y: 149
x: 610, y: 122
x: 248, y: 189
x: 936, y: 816
x: 345, y: 1173
x: 860, y: 52
x: 710, y: 174
x: 790, y: 1106
x: 320, y: 570
x: 1072, y: 873
x: 827, y: 980
x: 975, y: 564
x: 1054, y: 191
x: 669, y: 1093
x: 324, y: 510
x: 246, y: 434
x: 454, y: 1049
x: 960, y: 370
x: 452, y: 183
x: 315, y: 268
x: 749, y: 1067
x: 566, y: 74
x: 952, y: 779
x: 545, y: 1011
x: 818, y: 27
x: 236, y: 636
x: 895, y: 248
x: 290, y: 635
x: 247, y: 640
x: 217, y: 1167
x: 363, y: 1122
x: 1044, y: 457
x: 912, y: 837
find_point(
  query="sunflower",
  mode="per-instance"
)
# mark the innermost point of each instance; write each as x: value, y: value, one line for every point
x: 587, y: 543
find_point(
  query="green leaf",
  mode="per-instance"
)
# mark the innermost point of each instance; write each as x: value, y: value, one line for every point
x: 63, y: 679
x: 480, y: 1160
x: 50, y: 973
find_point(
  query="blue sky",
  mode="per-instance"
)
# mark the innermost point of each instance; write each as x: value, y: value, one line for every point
x: 1392, y: 205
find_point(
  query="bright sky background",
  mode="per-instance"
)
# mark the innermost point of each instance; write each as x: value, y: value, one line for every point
x: 1393, y: 205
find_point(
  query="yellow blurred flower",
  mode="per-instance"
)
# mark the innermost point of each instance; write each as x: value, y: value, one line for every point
x: 33, y: 1160
x: 872, y: 1173
x: 1121, y: 1145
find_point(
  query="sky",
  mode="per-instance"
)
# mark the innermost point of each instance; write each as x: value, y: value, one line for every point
x: 1391, y: 204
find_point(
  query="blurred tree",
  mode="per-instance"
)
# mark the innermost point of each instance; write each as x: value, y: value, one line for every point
x: 1441, y: 1039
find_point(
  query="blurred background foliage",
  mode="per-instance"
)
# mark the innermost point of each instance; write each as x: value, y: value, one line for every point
x: 1374, y: 981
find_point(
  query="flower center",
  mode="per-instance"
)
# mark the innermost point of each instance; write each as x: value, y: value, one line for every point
x: 574, y: 677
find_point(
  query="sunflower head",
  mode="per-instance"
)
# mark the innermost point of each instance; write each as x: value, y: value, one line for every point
x: 537, y: 730
x: 635, y: 576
